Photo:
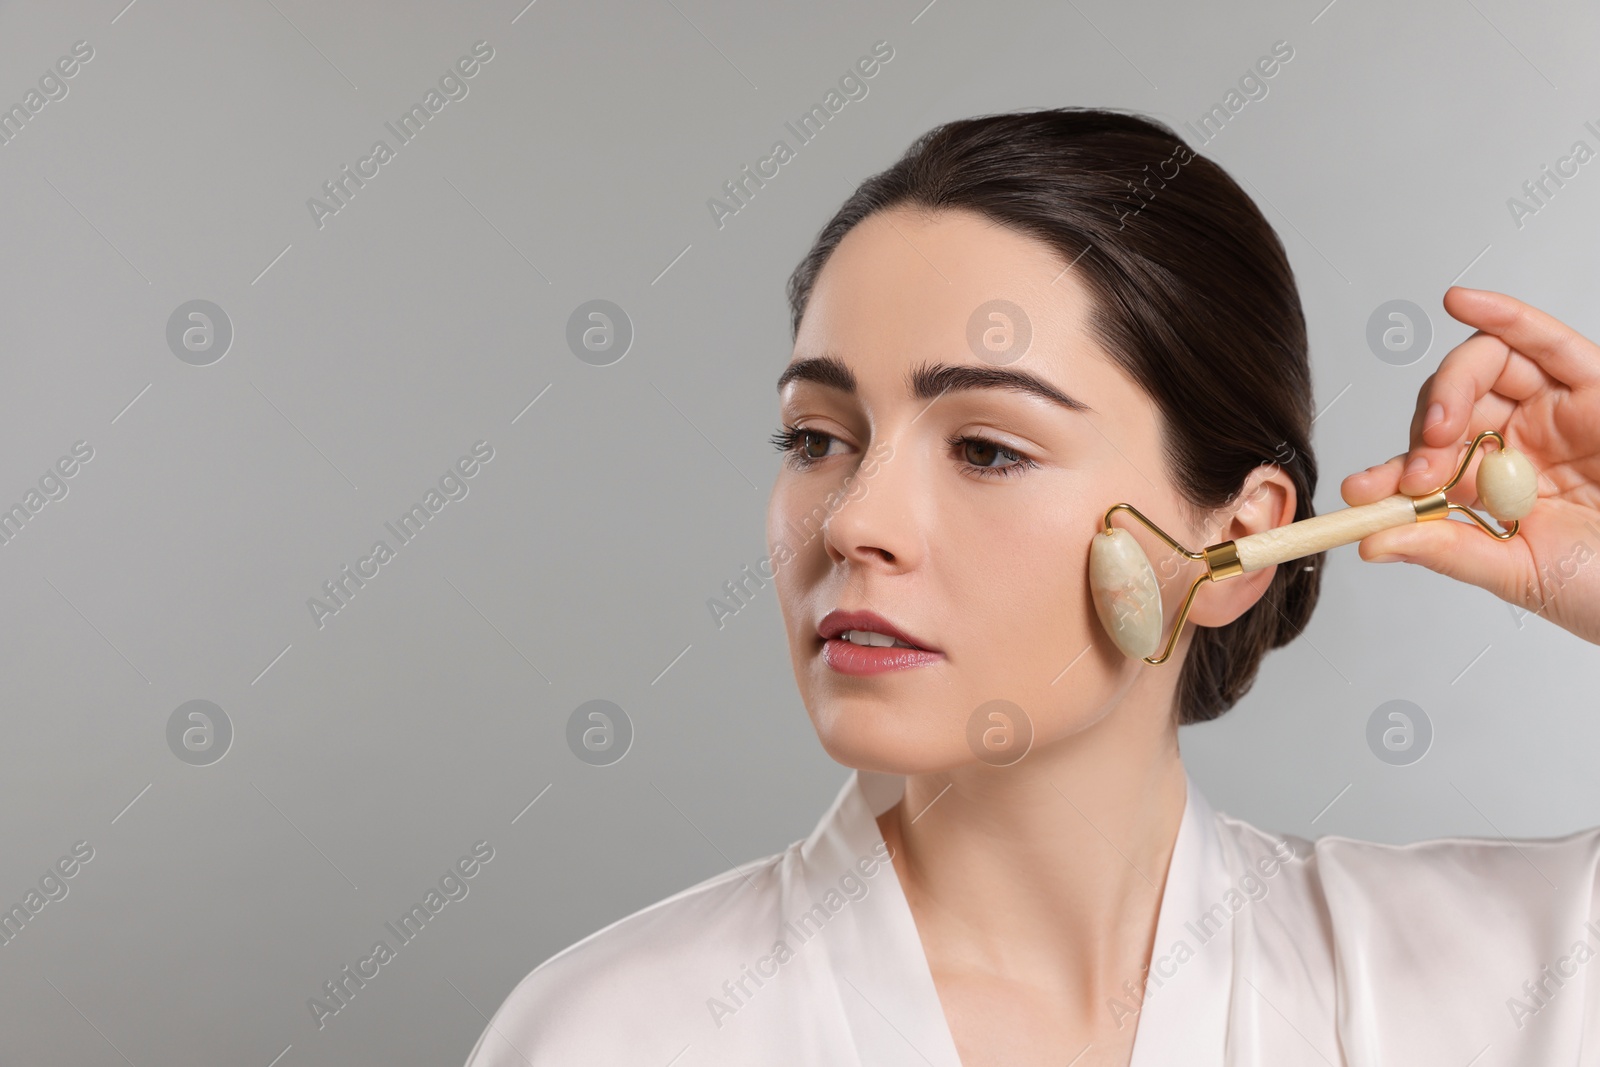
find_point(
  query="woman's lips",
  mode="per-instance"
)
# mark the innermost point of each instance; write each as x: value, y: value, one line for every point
x: 838, y: 622
x: 847, y: 657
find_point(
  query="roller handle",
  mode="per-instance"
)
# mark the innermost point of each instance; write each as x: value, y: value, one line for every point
x: 1507, y: 483
x: 1321, y: 532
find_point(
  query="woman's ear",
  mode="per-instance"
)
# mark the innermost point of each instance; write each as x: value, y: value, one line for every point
x: 1265, y: 502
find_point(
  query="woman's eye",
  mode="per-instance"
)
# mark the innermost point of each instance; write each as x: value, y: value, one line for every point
x: 814, y: 445
x: 801, y: 446
x: 980, y: 455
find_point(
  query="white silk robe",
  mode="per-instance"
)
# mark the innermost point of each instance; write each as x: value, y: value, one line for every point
x: 1451, y: 952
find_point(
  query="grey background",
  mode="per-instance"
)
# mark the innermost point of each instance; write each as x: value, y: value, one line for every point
x: 368, y: 355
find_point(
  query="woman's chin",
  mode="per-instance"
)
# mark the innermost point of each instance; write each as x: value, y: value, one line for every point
x: 888, y: 747
x: 934, y: 741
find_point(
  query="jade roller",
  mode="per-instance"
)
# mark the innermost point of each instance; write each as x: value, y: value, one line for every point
x: 1128, y: 599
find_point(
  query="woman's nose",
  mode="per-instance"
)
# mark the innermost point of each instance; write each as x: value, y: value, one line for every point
x: 874, y: 515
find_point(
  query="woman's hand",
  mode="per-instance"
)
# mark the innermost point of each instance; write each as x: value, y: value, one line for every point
x: 1537, y: 381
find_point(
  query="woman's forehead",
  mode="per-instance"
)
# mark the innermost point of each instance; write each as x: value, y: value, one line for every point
x: 878, y: 340
x: 944, y: 283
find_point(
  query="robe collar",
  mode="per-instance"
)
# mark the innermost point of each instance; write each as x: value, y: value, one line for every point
x: 886, y: 992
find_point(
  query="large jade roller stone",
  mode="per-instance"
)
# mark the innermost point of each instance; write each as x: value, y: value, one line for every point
x: 1126, y: 595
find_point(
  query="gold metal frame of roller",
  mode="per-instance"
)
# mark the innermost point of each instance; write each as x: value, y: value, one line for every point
x: 1222, y: 559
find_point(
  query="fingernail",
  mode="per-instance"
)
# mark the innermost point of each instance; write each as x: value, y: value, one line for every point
x: 1389, y: 557
x: 1435, y: 413
x: 1416, y: 466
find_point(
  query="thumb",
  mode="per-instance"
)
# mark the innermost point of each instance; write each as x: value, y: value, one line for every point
x: 1455, y: 549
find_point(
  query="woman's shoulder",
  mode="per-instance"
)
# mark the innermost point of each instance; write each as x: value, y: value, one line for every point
x: 614, y: 986
x: 1460, y: 857
x: 1528, y: 899
x: 1391, y: 933
x: 1449, y: 865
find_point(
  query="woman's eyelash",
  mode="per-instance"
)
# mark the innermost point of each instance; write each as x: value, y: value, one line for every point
x: 786, y: 438
x: 1022, y: 463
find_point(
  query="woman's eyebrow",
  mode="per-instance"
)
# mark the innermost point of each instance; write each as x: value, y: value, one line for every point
x: 929, y: 381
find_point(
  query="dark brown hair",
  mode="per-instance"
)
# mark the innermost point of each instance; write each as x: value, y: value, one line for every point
x: 1193, y: 297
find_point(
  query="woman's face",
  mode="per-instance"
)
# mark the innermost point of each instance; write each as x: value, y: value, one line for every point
x: 960, y: 512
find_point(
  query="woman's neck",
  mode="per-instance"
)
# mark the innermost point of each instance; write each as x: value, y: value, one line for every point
x: 1048, y: 873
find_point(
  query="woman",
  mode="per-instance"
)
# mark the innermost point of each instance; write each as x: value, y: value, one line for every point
x: 1026, y: 319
